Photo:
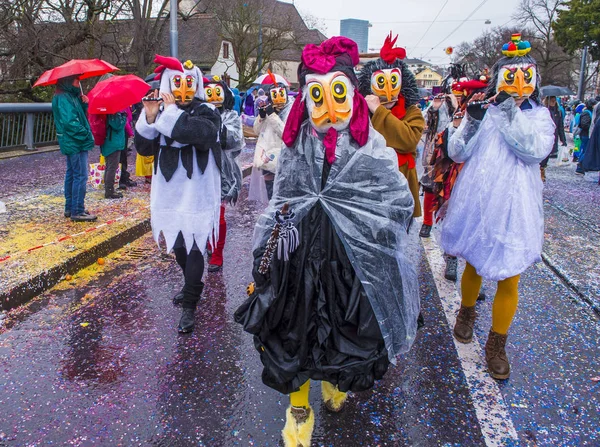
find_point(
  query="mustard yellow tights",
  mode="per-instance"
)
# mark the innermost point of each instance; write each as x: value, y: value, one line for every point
x: 505, y: 301
x: 300, y: 398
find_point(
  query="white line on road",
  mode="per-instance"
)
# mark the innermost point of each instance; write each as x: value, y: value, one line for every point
x: 491, y: 410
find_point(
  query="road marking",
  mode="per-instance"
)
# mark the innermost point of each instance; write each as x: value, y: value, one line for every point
x: 491, y: 410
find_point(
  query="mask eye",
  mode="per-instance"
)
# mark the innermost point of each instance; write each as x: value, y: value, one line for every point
x: 338, y: 89
x: 208, y: 92
x: 380, y: 79
x: 282, y: 93
x: 190, y: 81
x: 273, y: 94
x: 528, y: 75
x: 316, y: 94
x: 218, y: 91
x: 509, y: 77
x: 394, y: 79
x: 177, y: 81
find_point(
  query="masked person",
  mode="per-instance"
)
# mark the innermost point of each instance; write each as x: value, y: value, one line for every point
x: 218, y: 94
x: 272, y: 108
x: 390, y: 90
x: 439, y: 170
x: 321, y: 309
x: 495, y: 218
x: 182, y: 133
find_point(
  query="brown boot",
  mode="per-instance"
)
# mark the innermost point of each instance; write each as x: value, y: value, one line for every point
x: 495, y: 355
x: 465, y: 320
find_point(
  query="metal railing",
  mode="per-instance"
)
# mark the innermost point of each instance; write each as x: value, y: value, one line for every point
x: 26, y: 125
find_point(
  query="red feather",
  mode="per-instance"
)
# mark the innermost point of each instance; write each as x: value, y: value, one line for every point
x: 167, y: 62
x: 272, y: 76
x: 388, y: 53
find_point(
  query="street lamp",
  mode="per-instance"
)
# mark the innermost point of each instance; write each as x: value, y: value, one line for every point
x: 173, y: 31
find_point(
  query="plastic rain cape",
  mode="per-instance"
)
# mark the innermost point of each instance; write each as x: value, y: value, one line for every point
x: 370, y: 205
x: 495, y: 218
x: 231, y: 174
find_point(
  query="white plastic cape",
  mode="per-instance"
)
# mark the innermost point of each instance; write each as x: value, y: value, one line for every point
x: 370, y: 206
x: 495, y: 218
x: 231, y: 173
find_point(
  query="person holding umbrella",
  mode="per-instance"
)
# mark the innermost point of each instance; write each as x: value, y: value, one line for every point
x: 75, y: 139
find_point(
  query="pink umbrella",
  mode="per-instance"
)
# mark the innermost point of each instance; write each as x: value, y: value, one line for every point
x: 116, y: 93
x: 82, y: 68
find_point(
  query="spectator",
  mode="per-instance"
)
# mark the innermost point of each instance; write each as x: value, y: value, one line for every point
x: 125, y: 180
x: 249, y: 104
x: 585, y: 122
x: 75, y: 139
x: 237, y: 104
x: 559, y: 132
x: 111, y: 149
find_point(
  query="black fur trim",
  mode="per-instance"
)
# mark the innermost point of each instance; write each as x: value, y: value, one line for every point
x: 409, y: 89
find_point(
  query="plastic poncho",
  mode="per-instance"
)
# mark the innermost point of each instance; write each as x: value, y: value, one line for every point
x: 231, y: 174
x: 269, y: 143
x: 441, y: 121
x: 370, y: 206
x: 495, y: 218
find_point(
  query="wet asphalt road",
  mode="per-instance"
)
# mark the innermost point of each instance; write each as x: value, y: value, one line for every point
x: 97, y: 361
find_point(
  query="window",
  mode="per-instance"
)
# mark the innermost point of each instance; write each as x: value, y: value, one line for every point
x: 225, y: 51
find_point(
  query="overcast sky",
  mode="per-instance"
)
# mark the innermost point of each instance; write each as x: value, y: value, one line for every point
x: 411, y: 18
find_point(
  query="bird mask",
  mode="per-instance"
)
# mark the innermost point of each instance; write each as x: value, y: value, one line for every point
x: 518, y: 77
x: 183, y: 81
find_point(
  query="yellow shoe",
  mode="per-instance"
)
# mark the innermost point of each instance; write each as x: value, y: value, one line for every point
x: 333, y: 398
x: 299, y: 425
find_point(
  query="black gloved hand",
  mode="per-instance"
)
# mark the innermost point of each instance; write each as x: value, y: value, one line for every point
x: 502, y: 96
x: 564, y: 144
x: 270, y: 109
x: 476, y: 110
x: 262, y: 112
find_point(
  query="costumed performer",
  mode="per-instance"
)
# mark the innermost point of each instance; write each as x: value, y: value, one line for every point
x: 390, y: 90
x: 440, y: 171
x: 495, y: 219
x: 182, y: 134
x: 273, y: 108
x: 218, y: 93
x: 321, y: 309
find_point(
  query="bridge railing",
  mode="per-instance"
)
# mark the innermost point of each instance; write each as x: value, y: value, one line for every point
x: 26, y: 126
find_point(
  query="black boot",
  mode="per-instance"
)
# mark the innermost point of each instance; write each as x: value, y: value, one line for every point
x: 186, y: 323
x: 451, y: 267
x: 178, y: 299
x: 425, y: 231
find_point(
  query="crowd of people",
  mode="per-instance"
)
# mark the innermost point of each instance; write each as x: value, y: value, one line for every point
x: 337, y: 163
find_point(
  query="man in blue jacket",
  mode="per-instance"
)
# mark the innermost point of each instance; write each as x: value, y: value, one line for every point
x: 75, y: 140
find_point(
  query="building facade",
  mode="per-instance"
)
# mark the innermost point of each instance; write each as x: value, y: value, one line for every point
x: 358, y: 31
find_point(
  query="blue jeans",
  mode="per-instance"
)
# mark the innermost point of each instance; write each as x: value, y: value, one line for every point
x: 75, y: 183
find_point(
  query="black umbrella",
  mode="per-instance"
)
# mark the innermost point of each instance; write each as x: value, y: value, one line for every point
x: 555, y: 90
x: 424, y: 92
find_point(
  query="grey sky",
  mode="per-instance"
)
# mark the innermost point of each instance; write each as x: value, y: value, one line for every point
x: 393, y: 15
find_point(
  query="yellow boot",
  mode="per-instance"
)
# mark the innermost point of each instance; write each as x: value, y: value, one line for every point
x: 299, y: 425
x: 333, y: 398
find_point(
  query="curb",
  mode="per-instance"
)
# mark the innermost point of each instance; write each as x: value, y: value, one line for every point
x: 25, y: 291
x: 5, y: 155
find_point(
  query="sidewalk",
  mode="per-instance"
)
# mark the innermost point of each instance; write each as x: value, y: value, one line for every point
x: 38, y: 245
x: 22, y: 152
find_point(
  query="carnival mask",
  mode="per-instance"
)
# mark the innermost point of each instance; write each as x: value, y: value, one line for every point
x: 329, y: 100
x: 278, y: 96
x: 214, y: 94
x: 184, y: 88
x: 518, y: 80
x: 386, y: 84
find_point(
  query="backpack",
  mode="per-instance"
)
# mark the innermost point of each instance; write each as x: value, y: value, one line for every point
x: 98, y: 126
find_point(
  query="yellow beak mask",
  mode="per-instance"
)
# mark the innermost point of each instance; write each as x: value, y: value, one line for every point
x: 518, y: 80
x: 214, y: 94
x: 386, y: 84
x: 329, y: 100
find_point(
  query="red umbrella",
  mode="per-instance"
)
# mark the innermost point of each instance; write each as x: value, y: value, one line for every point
x: 82, y: 68
x: 116, y: 93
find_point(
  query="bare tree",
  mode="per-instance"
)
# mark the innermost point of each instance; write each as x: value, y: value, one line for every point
x: 555, y: 65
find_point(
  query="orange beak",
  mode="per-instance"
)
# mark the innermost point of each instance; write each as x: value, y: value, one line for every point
x: 388, y: 91
x: 520, y: 83
x: 330, y: 109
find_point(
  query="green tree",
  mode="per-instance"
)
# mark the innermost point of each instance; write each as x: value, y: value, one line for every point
x: 579, y: 26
